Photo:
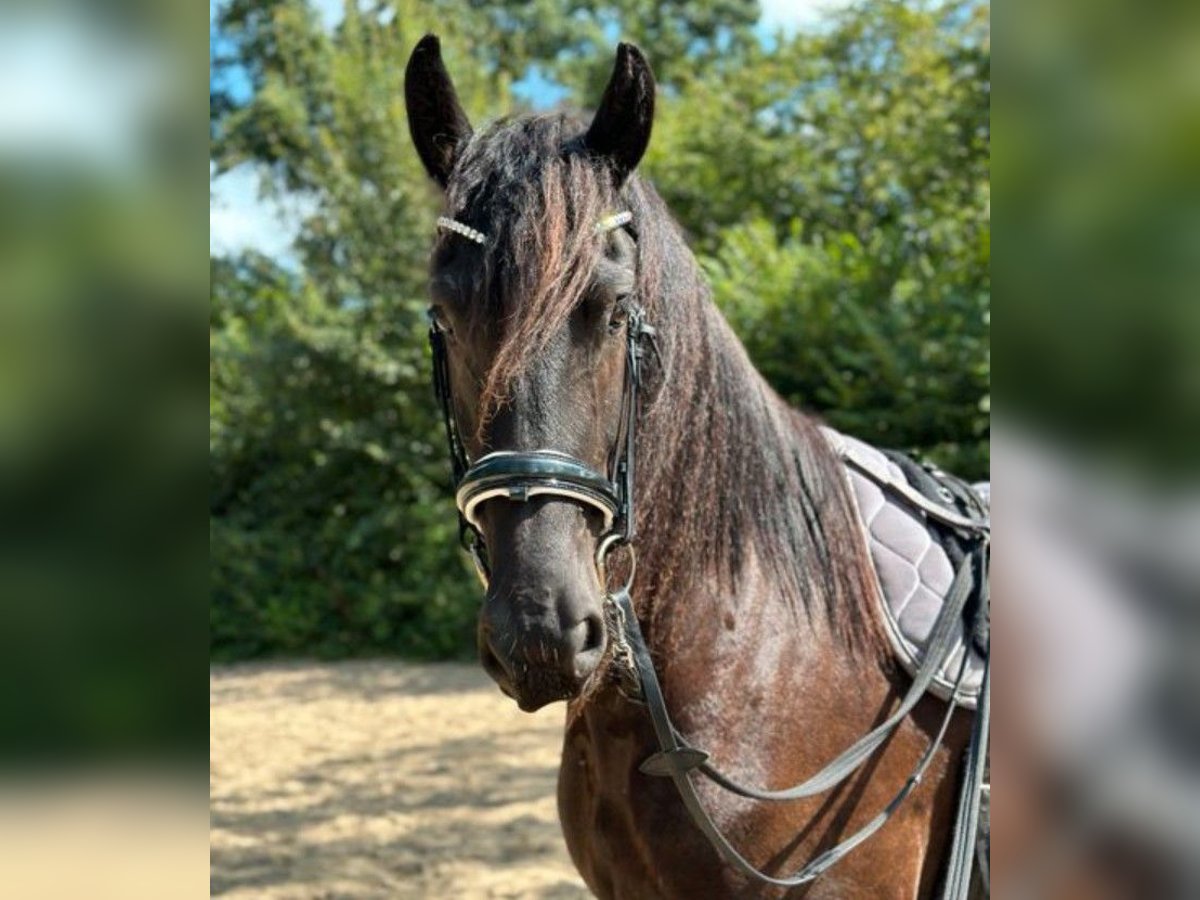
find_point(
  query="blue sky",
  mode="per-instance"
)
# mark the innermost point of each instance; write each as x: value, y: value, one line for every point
x: 77, y: 94
x: 239, y: 219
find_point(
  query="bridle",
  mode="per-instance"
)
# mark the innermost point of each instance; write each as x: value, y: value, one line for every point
x: 520, y: 475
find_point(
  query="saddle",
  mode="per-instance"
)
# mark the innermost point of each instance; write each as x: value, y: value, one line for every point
x: 920, y: 525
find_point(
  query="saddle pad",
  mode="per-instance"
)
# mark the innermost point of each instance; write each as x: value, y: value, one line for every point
x: 912, y: 569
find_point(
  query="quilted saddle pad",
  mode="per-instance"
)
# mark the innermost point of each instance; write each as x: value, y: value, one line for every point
x: 912, y: 568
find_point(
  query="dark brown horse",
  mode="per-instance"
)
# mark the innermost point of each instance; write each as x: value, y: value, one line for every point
x: 753, y: 586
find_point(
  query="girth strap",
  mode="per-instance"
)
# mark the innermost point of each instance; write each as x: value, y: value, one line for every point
x: 964, y: 843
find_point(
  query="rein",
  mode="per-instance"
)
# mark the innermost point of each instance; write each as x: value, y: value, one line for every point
x: 520, y: 475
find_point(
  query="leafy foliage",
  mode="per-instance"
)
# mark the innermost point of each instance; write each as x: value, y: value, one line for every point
x: 835, y: 187
x: 329, y: 530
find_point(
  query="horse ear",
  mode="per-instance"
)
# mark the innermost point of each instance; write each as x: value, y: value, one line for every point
x: 620, y: 131
x: 436, y: 120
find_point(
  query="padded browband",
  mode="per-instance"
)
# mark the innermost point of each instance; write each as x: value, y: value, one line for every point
x: 520, y: 475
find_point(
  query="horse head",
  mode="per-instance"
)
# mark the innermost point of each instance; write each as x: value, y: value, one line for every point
x: 534, y: 287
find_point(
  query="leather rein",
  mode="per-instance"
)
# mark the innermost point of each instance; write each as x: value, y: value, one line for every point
x: 519, y: 475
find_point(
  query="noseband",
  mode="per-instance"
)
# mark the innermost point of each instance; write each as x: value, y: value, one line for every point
x: 520, y: 475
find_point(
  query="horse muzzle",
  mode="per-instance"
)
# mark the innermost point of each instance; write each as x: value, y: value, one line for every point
x: 538, y: 660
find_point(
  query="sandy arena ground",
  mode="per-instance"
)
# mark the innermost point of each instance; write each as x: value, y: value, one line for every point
x: 382, y: 779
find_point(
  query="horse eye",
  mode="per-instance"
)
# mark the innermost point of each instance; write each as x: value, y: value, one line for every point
x: 439, y: 318
x: 619, y: 314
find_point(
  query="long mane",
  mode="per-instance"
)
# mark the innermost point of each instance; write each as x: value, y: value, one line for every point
x: 725, y: 466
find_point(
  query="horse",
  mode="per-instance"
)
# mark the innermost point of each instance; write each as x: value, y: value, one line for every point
x: 559, y: 283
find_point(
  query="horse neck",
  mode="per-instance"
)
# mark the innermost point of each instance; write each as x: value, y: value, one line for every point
x: 694, y: 465
x: 732, y: 480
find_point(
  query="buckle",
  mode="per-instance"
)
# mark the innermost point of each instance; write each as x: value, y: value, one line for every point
x: 666, y: 763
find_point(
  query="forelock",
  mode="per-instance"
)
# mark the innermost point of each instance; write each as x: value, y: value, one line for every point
x: 530, y: 187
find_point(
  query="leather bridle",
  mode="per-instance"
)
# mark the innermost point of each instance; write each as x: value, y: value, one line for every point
x: 520, y: 475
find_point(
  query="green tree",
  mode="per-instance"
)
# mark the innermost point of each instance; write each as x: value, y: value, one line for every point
x: 330, y: 527
x: 837, y: 190
x: 834, y: 185
x: 329, y: 531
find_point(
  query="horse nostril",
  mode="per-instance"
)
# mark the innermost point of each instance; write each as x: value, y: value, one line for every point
x: 594, y: 637
x: 587, y: 640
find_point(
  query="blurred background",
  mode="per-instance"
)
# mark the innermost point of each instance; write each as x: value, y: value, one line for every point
x: 103, y: 571
x: 1096, y: 445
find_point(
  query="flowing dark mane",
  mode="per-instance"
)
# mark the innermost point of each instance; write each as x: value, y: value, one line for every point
x: 727, y: 472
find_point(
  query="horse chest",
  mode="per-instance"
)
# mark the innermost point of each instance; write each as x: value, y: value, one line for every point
x: 627, y: 833
x: 617, y: 822
x: 630, y: 836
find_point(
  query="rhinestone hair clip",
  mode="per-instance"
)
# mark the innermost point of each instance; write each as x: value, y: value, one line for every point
x: 459, y: 228
x: 608, y: 223
x: 616, y: 220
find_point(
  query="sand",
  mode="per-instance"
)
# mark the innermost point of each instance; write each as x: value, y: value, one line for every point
x: 381, y: 779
